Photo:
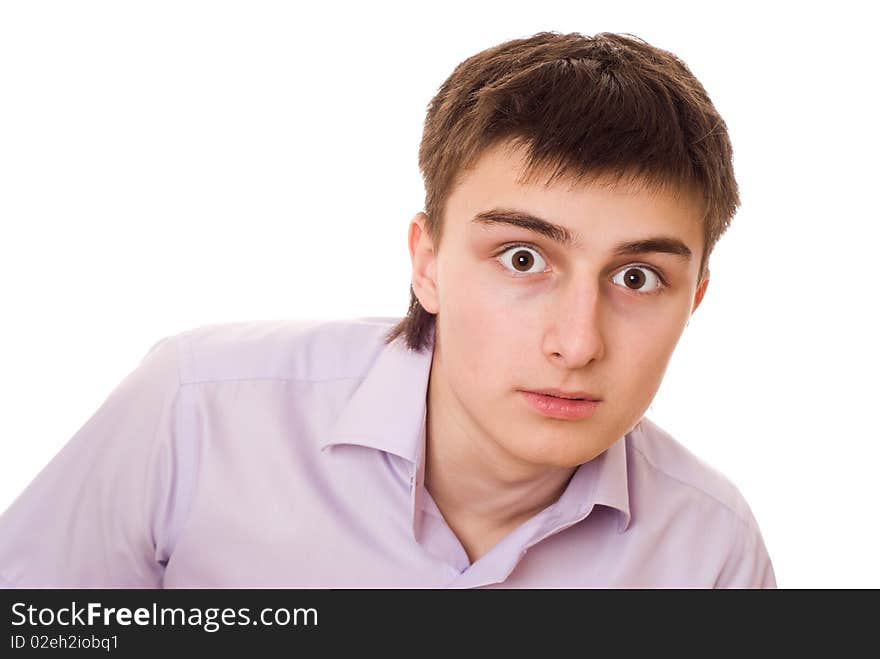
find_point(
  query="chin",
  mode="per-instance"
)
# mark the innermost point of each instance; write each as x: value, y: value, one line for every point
x: 554, y: 459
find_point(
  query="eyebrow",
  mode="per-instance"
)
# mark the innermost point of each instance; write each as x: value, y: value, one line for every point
x: 565, y: 238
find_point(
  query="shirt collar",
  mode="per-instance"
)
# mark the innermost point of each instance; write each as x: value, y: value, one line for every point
x: 612, y: 486
x: 388, y: 411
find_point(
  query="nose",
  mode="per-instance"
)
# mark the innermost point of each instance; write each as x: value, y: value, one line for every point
x: 574, y: 335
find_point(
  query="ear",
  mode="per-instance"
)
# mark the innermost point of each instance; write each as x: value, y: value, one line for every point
x: 701, y: 291
x: 424, y: 261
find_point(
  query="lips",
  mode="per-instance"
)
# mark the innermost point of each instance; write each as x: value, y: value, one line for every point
x: 567, y: 395
x: 558, y: 407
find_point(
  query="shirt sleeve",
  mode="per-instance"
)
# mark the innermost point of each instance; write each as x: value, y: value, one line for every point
x: 100, y: 513
x: 748, y: 565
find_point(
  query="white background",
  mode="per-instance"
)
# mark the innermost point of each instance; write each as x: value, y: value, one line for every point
x: 165, y: 165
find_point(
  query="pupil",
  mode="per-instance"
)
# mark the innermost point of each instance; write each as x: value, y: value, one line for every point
x: 523, y: 259
x: 636, y: 277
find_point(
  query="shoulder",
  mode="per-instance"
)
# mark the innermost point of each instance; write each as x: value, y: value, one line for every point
x: 304, y: 349
x: 679, y: 471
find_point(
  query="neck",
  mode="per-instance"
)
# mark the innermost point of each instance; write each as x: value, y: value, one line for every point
x: 483, y: 491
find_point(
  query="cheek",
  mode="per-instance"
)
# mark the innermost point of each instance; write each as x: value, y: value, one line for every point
x: 648, y: 355
x: 482, y: 327
x: 473, y: 300
x: 483, y: 322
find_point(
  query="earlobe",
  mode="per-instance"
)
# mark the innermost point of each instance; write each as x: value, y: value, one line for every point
x: 423, y: 256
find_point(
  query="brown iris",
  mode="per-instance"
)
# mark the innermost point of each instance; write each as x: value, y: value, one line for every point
x: 634, y: 278
x: 524, y: 259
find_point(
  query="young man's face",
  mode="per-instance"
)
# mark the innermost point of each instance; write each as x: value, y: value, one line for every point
x: 542, y: 315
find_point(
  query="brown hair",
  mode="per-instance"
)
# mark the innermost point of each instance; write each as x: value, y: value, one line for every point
x: 609, y: 106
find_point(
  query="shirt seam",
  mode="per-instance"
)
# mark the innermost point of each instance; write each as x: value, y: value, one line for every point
x: 185, y: 428
x: 269, y: 379
x: 187, y: 375
x: 175, y: 529
x: 743, y: 520
x: 173, y: 399
x: 746, y: 546
x: 171, y: 402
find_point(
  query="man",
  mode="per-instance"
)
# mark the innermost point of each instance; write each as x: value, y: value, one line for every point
x: 494, y: 437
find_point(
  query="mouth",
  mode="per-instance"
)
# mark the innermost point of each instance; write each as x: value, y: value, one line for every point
x: 559, y: 406
x: 565, y: 395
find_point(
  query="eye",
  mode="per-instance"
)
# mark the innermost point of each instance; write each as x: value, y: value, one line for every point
x: 640, y: 278
x: 523, y: 259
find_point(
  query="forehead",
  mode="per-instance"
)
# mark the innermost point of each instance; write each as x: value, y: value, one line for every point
x: 590, y: 210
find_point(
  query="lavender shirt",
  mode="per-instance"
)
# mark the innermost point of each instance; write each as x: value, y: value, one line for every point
x: 291, y: 454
